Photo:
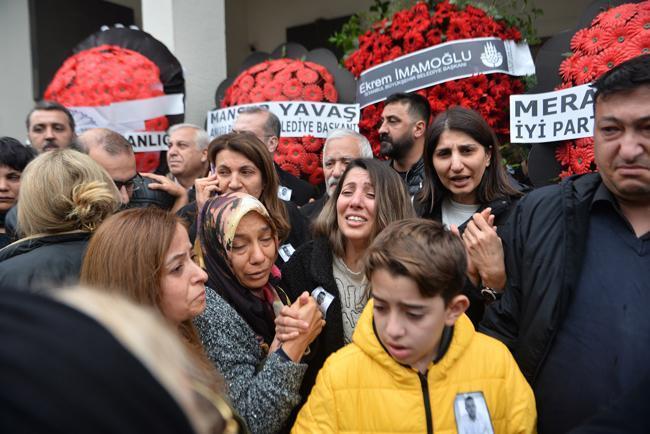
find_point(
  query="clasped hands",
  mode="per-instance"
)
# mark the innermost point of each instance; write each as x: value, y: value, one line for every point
x: 297, y: 326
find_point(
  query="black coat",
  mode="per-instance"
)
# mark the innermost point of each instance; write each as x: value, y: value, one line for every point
x: 301, y: 191
x: 544, y: 245
x: 311, y: 210
x: 501, y: 209
x: 310, y: 267
x: 43, y: 262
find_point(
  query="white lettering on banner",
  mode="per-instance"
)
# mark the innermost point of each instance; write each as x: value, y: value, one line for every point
x: 552, y: 116
x: 148, y: 141
x: 298, y: 118
x: 441, y: 63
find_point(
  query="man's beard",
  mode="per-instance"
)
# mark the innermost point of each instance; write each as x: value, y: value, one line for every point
x: 395, y: 149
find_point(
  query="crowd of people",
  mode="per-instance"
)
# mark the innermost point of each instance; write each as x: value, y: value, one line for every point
x: 427, y: 291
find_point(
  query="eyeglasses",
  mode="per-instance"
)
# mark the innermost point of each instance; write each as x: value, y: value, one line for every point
x: 129, y: 185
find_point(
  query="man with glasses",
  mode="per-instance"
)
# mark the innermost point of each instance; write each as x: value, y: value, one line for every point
x: 266, y: 126
x: 115, y: 154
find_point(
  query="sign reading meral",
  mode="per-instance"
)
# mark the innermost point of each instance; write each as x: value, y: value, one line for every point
x: 443, y: 62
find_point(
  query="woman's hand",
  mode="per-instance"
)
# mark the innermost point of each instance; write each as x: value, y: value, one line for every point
x: 485, y: 250
x: 167, y: 185
x: 298, y: 325
x: 205, y: 188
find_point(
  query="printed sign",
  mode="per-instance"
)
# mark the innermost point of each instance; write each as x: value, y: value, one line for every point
x: 298, y: 118
x: 148, y: 141
x: 552, y: 116
x: 441, y: 63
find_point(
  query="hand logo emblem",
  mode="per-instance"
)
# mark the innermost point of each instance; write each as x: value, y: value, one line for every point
x: 491, y: 57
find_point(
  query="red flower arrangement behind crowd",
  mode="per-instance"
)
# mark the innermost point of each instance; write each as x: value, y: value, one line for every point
x: 417, y: 28
x: 287, y: 80
x: 106, y: 74
x: 613, y: 37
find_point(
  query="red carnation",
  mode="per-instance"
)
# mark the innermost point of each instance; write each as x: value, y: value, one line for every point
x: 283, y: 145
x: 293, y: 66
x: 606, y: 60
x: 273, y: 90
x: 263, y: 78
x: 291, y: 168
x: 639, y: 45
x: 640, y: 24
x: 329, y: 93
x: 246, y: 82
x: 615, y: 36
x: 256, y: 94
x: 458, y: 28
x: 568, y: 68
x: 581, y: 160
x: 294, y: 154
x: 312, y: 92
x: 292, y: 88
x: 317, y: 177
x: 563, y: 153
x: 258, y: 68
x: 312, y: 144
x: 400, y: 26
x: 413, y: 41
x: 617, y: 16
x: 283, y: 76
x: 310, y: 162
x: 434, y: 36
x: 278, y: 65
x: 306, y: 75
x: 584, y: 69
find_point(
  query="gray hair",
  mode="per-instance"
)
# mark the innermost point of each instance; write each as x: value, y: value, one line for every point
x: 272, y: 126
x: 201, y: 136
x: 365, y: 150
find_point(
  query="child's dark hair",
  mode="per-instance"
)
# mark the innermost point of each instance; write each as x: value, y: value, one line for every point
x: 14, y: 154
x: 423, y: 251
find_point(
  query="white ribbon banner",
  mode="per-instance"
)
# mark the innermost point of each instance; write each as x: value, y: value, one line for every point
x: 552, y: 116
x: 298, y: 118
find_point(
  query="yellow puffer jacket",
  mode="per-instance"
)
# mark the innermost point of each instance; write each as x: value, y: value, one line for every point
x: 362, y: 389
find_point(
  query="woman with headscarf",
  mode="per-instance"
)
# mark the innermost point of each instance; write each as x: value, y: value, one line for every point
x: 239, y: 240
x: 240, y: 162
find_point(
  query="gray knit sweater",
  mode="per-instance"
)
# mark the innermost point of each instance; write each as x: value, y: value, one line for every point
x: 262, y: 389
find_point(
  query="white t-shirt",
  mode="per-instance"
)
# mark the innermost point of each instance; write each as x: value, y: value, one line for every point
x: 352, y: 288
x: 454, y: 213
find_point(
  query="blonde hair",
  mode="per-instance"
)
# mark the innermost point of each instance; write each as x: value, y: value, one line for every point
x: 62, y: 191
x: 153, y: 341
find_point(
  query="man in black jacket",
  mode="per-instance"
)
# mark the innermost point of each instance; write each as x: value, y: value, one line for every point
x: 402, y: 134
x: 574, y: 313
x: 266, y: 126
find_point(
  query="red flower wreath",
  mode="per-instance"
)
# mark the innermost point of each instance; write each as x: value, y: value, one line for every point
x: 613, y: 37
x: 417, y: 28
x: 106, y: 74
x: 287, y: 80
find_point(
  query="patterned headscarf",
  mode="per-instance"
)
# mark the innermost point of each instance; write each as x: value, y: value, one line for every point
x: 218, y: 223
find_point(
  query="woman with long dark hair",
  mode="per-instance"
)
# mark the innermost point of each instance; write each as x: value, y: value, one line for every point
x: 468, y: 190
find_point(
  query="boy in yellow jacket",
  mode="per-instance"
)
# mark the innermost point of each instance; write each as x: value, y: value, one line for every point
x: 415, y: 363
